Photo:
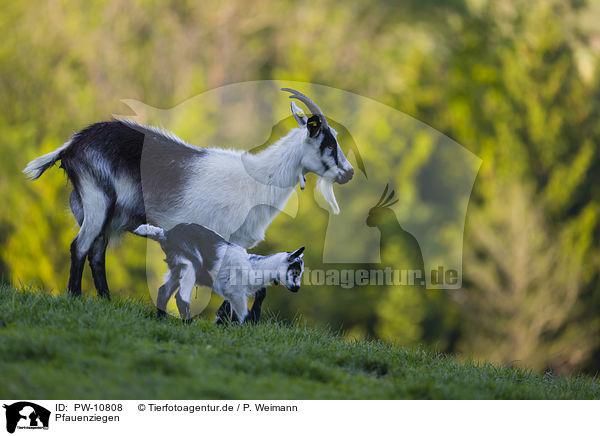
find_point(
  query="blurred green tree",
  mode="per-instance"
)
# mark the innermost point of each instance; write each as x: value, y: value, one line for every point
x: 515, y: 82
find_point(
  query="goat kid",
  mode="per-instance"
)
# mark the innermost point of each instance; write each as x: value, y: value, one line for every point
x: 197, y: 255
x: 125, y: 174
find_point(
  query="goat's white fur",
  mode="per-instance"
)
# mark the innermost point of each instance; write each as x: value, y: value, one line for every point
x: 230, y: 284
x: 235, y: 193
x: 151, y: 232
x: 37, y: 166
x: 230, y: 274
x: 94, y: 209
x: 252, y: 188
x: 325, y: 188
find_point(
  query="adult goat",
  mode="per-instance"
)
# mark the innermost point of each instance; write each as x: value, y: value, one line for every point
x: 125, y: 174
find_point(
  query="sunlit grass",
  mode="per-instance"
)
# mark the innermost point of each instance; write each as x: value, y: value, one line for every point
x: 60, y: 347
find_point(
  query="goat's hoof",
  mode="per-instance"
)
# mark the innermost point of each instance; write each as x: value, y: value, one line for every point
x: 160, y: 314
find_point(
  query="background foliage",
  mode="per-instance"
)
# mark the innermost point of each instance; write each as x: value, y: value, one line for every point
x: 516, y: 82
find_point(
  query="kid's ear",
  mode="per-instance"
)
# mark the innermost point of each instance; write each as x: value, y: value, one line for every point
x: 299, y: 115
x: 296, y: 254
x: 314, y: 125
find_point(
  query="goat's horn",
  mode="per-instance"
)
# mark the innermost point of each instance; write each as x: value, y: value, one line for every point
x: 311, y: 105
x: 382, y: 195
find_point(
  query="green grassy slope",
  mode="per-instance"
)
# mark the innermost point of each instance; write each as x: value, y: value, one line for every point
x: 59, y: 347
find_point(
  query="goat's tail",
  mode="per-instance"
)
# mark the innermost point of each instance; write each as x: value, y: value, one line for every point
x: 151, y: 232
x: 36, y: 167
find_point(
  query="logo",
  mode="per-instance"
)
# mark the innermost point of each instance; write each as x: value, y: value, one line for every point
x: 26, y: 415
x: 405, y: 207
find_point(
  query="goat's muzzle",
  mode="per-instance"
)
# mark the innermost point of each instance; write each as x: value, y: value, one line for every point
x: 345, y: 176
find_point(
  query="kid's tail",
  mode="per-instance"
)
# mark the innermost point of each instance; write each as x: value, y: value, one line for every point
x: 36, y: 167
x: 152, y: 232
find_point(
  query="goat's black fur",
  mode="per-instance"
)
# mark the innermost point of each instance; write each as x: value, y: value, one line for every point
x: 97, y: 158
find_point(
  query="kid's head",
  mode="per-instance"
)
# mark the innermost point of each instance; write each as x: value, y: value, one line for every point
x: 290, y: 272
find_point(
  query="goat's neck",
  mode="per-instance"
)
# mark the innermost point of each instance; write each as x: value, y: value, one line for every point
x: 280, y: 165
x: 266, y: 268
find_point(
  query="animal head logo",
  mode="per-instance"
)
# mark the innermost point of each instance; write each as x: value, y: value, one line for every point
x: 382, y: 211
x: 438, y: 173
x: 26, y: 415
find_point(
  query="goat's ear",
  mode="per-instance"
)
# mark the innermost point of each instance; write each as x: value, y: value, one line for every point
x: 299, y: 115
x: 314, y: 126
x: 296, y: 254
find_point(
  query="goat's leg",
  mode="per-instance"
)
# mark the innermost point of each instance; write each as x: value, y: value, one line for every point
x: 240, y: 306
x: 97, y: 259
x: 74, y: 286
x: 96, y: 203
x: 254, y: 314
x: 186, y: 287
x: 76, y: 272
x: 166, y: 291
x: 225, y: 314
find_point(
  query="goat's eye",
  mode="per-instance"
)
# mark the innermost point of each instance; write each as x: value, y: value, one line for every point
x: 330, y: 146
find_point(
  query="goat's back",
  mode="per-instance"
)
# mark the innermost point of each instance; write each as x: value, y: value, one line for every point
x: 133, y: 165
x: 151, y: 176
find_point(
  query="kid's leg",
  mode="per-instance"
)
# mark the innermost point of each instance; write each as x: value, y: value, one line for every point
x: 240, y: 306
x: 166, y: 291
x: 186, y: 287
x: 254, y: 315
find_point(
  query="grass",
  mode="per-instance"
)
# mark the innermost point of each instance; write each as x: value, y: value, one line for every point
x: 65, y: 348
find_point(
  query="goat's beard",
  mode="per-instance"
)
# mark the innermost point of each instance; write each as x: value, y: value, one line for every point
x: 325, y: 187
